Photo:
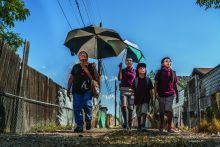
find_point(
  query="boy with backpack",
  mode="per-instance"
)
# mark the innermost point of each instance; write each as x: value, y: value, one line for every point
x: 143, y: 95
x: 165, y: 89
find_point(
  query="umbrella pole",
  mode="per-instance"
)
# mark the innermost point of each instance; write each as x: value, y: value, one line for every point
x: 100, y: 62
x: 99, y: 69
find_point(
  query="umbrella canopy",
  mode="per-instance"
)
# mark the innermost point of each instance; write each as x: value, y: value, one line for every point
x: 133, y: 51
x: 96, y: 41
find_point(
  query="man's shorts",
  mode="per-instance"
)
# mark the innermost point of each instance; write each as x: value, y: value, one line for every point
x: 127, y: 98
x: 165, y: 104
x: 141, y: 109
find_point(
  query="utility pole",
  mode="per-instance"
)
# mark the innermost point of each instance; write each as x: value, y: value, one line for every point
x: 188, y: 103
x: 197, y: 93
x: 115, y: 99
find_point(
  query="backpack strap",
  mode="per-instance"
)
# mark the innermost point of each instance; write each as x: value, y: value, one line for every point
x: 87, y: 72
x: 173, y: 75
x: 136, y: 82
x: 159, y: 79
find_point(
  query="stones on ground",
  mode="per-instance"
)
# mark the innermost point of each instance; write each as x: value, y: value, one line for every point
x: 80, y: 135
x: 106, y: 138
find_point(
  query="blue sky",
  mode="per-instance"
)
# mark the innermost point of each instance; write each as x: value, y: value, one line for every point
x: 179, y: 29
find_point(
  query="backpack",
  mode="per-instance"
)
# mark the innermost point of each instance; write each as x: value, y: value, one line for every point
x: 136, y: 81
x: 172, y: 79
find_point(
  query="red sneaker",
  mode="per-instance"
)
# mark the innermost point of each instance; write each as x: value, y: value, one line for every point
x: 170, y: 130
x: 161, y: 128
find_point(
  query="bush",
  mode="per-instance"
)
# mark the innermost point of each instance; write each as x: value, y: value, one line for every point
x: 209, y: 127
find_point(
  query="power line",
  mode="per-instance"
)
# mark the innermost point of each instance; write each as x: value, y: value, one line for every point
x: 64, y: 14
x: 95, y: 10
x: 71, y: 5
x: 99, y: 11
x: 106, y: 85
x: 104, y: 68
x: 106, y: 82
x: 92, y: 10
x: 86, y: 11
x: 77, y: 4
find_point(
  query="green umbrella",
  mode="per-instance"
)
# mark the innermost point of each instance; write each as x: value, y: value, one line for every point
x: 134, y: 52
x: 98, y: 42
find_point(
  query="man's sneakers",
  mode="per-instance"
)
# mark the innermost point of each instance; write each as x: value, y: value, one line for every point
x: 78, y: 129
x: 143, y: 128
x: 88, y: 125
x: 124, y: 125
x: 139, y: 128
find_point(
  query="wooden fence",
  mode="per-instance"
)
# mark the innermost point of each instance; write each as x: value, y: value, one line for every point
x: 18, y: 115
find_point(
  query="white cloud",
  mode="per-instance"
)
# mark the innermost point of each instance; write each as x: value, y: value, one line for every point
x: 104, y: 77
x: 112, y: 79
x: 44, y: 67
x: 108, y: 97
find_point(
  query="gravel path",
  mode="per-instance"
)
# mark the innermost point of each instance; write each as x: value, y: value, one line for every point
x: 109, y: 137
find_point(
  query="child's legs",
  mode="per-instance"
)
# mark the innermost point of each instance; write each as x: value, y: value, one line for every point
x: 130, y: 115
x: 144, y: 110
x: 169, y: 118
x: 77, y: 108
x: 130, y: 107
x: 138, y: 113
x: 162, y: 103
x: 169, y: 110
x: 124, y: 107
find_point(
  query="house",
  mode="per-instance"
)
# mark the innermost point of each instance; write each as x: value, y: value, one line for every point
x: 202, y: 92
x: 111, y: 121
x: 102, y: 117
x: 209, y: 91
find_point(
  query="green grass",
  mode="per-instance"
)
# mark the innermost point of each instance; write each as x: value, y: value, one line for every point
x: 49, y: 128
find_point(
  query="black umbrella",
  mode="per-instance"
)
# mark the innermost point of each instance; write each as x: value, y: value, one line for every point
x: 96, y: 41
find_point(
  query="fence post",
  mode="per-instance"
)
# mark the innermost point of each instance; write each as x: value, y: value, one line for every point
x: 21, y: 91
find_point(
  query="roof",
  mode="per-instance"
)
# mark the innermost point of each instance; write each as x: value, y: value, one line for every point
x: 201, y: 71
x: 211, y: 71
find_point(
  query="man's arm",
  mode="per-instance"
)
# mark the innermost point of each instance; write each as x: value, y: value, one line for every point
x: 176, y: 88
x: 120, y: 72
x: 176, y: 92
x: 151, y: 96
x: 70, y: 82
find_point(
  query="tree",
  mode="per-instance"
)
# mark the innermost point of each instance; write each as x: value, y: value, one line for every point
x: 12, y: 11
x: 151, y: 74
x: 209, y: 3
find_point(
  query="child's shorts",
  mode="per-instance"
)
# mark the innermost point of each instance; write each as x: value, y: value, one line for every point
x: 165, y: 104
x: 127, y: 98
x: 141, y: 109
